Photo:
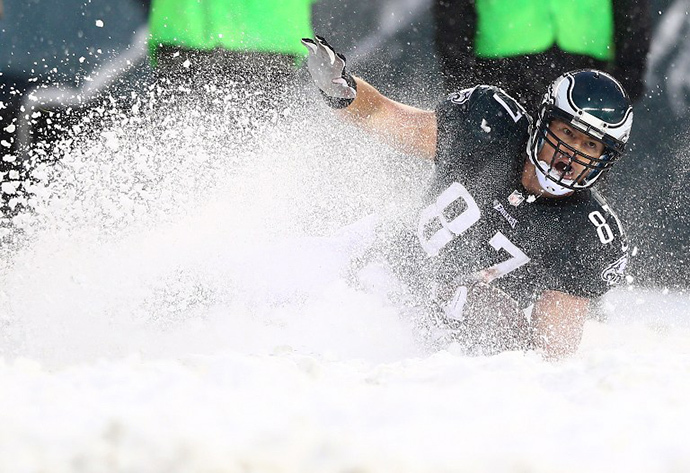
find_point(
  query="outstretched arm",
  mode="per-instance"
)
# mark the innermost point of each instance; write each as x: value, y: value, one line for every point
x: 558, y: 320
x: 406, y: 128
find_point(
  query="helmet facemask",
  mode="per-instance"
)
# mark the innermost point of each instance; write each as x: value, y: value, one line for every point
x: 557, y: 167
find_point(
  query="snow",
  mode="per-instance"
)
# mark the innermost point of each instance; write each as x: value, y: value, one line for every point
x: 613, y: 407
x: 184, y: 301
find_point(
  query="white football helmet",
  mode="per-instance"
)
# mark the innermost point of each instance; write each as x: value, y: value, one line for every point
x: 592, y: 102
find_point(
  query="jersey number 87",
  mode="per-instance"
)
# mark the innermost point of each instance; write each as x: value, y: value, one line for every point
x: 433, y: 215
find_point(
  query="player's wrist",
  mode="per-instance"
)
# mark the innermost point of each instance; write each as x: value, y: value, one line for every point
x: 341, y: 102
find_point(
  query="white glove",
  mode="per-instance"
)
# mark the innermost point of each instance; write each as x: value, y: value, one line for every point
x: 327, y: 68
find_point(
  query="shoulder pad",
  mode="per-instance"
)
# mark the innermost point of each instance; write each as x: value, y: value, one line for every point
x: 488, y: 107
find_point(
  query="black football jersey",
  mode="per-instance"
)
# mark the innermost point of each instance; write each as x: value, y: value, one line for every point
x: 480, y: 224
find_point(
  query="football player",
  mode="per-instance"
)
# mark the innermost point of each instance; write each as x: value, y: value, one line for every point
x: 511, y: 222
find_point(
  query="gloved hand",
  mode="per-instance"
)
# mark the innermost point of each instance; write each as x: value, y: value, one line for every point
x: 327, y: 68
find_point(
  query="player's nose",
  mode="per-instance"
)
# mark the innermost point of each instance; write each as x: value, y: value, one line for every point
x: 566, y: 153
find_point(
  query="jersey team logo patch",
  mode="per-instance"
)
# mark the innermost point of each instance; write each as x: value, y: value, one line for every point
x: 614, y: 273
x: 516, y: 198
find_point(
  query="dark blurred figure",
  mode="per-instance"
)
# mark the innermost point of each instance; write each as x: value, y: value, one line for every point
x: 650, y: 189
x: 251, y: 43
x: 523, y: 45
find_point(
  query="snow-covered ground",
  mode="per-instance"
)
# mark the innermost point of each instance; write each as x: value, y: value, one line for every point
x: 619, y: 405
x: 182, y: 301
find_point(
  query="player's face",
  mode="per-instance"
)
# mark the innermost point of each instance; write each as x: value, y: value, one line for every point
x: 573, y: 150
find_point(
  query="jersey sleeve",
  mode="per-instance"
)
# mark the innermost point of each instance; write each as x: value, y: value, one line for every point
x: 598, y: 256
x: 453, y: 112
x: 473, y: 120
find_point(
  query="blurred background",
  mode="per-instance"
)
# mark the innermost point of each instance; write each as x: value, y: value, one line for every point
x: 64, y: 57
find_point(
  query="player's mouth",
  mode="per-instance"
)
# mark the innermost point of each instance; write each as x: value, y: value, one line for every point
x: 563, y: 166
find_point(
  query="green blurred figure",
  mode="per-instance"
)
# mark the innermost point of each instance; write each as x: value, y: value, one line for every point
x: 251, y: 42
x: 523, y: 45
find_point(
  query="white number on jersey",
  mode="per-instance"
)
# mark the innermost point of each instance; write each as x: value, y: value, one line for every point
x: 433, y: 216
x: 500, y: 242
x: 516, y: 115
x: 603, y: 229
